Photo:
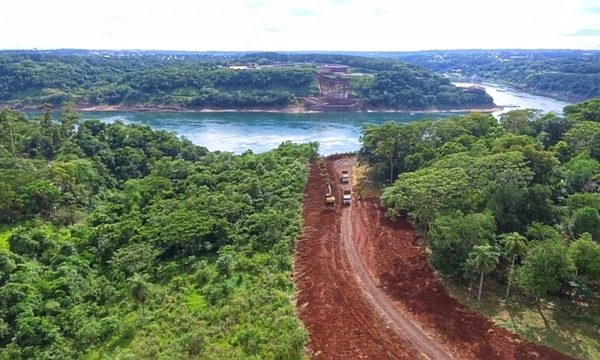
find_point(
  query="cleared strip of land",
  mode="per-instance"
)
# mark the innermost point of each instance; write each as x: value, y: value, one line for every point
x: 367, y: 291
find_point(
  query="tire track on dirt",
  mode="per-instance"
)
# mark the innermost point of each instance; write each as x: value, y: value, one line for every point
x: 341, y: 322
x: 396, y: 320
x: 366, y: 289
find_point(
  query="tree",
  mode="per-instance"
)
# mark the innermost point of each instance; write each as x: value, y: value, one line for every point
x: 546, y: 269
x: 46, y: 121
x: 382, y: 142
x: 134, y: 258
x: 425, y: 193
x: 584, y: 136
x: 579, y: 173
x: 139, y: 290
x: 584, y: 111
x: 586, y: 220
x: 580, y: 200
x: 515, y: 245
x: 585, y: 254
x: 7, y: 266
x: 453, y: 237
x: 509, y: 204
x: 541, y: 232
x: 517, y: 121
x: 484, y: 258
x: 68, y: 121
x: 555, y: 127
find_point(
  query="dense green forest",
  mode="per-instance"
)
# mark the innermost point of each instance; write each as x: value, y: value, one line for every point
x: 516, y: 200
x: 118, y: 241
x: 571, y: 74
x: 30, y: 79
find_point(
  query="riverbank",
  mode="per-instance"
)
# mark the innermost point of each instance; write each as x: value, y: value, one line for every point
x: 294, y: 109
x: 499, y: 83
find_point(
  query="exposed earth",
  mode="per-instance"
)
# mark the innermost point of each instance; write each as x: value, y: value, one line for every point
x: 366, y: 290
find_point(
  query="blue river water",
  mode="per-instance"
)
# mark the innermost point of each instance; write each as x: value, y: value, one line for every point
x: 261, y: 131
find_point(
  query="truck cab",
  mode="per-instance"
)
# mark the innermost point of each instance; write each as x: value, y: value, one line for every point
x: 347, y: 197
x: 345, y: 178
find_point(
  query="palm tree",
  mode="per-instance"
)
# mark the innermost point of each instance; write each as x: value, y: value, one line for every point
x: 515, y: 244
x: 139, y: 289
x: 485, y: 259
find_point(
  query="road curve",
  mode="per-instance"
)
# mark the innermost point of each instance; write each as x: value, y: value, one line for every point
x: 366, y: 290
x: 383, y: 305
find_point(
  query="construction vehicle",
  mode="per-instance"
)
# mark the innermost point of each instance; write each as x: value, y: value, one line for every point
x: 345, y: 177
x: 347, y: 197
x: 329, y: 198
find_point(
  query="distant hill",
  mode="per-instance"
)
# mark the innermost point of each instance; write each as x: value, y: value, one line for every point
x: 567, y: 74
x: 187, y: 80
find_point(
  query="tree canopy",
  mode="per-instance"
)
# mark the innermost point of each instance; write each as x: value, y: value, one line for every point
x: 124, y: 240
x: 527, y: 184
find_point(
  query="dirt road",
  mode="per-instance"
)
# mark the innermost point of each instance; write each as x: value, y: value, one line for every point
x: 341, y: 321
x: 367, y: 291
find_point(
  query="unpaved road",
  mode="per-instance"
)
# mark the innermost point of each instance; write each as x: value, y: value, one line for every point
x: 396, y: 320
x: 367, y: 292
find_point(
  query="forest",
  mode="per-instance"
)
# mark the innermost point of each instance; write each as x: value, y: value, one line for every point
x: 513, y: 202
x: 568, y: 74
x: 29, y: 79
x: 118, y: 241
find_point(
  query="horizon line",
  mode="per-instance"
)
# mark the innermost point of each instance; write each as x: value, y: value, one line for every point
x: 297, y: 51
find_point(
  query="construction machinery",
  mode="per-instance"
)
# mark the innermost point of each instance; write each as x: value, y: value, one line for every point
x: 345, y: 178
x: 347, y: 196
x: 329, y: 198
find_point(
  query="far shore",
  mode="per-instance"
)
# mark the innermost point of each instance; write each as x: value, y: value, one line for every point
x: 286, y: 110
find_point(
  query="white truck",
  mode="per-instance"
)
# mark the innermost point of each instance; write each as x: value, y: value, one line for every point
x: 345, y: 177
x: 347, y: 197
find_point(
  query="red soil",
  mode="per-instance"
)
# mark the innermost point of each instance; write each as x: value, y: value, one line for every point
x: 366, y: 289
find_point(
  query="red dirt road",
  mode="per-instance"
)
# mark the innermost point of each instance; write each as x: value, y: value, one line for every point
x: 366, y: 290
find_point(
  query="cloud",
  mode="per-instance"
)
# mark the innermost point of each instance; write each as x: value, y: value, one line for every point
x: 270, y: 25
x: 256, y: 4
x: 586, y: 32
x: 591, y: 7
x: 272, y: 30
x: 304, y: 12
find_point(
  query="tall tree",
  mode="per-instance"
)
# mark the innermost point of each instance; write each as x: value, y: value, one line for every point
x: 584, y: 111
x: 139, y: 289
x: 546, y: 269
x: 517, y: 121
x: 453, y: 237
x: 586, y: 220
x: 584, y: 136
x: 424, y: 193
x: 484, y: 258
x: 585, y: 254
x: 515, y: 245
x: 69, y: 119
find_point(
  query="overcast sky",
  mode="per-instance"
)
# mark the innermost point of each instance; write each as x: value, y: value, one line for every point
x: 378, y: 25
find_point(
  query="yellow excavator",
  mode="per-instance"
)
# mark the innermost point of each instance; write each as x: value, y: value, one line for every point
x: 329, y: 198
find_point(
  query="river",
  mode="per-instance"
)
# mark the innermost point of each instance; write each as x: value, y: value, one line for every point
x: 336, y: 132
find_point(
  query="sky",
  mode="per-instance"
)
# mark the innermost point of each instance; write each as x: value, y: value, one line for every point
x: 294, y: 25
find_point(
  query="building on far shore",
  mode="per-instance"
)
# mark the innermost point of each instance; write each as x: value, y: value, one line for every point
x: 334, y: 68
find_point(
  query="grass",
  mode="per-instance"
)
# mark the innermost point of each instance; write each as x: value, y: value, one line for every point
x: 363, y: 186
x: 573, y: 330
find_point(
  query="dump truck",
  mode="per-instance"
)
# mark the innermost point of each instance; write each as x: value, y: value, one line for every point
x: 345, y: 177
x: 347, y: 197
